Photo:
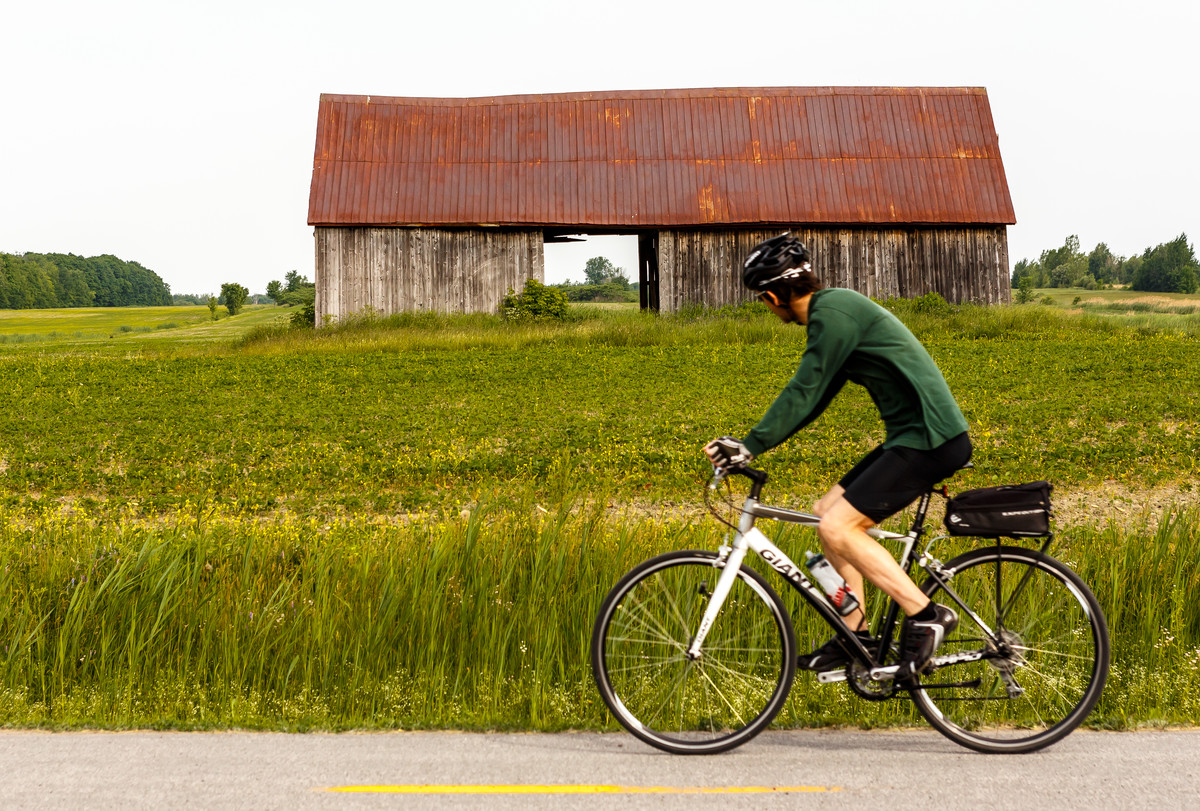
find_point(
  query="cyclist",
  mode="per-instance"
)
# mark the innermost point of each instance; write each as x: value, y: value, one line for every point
x: 851, y: 338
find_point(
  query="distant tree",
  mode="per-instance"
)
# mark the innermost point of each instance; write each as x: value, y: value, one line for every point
x: 65, y: 280
x: 234, y: 296
x: 295, y: 289
x: 213, y: 305
x: 600, y: 270
x: 1064, y: 265
x: 70, y: 287
x: 1042, y: 272
x: 1060, y: 256
x: 27, y: 282
x: 1168, y: 268
x: 1102, y: 264
x: 1033, y: 271
x: 1127, y: 269
x: 608, y: 292
x: 1020, y: 271
x: 1072, y: 273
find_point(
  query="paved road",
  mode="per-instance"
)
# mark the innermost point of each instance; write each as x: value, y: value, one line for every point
x: 825, y: 769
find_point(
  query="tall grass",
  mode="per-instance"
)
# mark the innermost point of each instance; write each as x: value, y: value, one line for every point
x: 481, y: 620
x: 585, y: 327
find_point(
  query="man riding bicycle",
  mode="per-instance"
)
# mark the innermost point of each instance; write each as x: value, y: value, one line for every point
x: 851, y: 338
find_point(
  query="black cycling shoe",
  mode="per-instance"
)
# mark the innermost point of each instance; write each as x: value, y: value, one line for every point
x: 920, y: 640
x: 831, y: 655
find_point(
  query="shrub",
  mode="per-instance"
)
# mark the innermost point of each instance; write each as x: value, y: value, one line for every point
x: 929, y: 304
x: 535, y: 302
x: 306, y: 316
x: 1025, y: 290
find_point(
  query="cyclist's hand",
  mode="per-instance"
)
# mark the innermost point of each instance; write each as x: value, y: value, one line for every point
x: 727, y: 453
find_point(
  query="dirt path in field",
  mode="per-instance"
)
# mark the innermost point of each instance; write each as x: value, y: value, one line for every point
x: 1122, y: 506
x: 1095, y: 505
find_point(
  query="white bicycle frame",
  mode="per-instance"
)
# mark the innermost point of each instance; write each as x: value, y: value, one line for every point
x: 749, y: 538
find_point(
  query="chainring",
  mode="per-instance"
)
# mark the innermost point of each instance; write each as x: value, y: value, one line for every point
x: 858, y: 677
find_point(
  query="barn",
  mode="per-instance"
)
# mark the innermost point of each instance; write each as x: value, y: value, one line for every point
x: 445, y: 203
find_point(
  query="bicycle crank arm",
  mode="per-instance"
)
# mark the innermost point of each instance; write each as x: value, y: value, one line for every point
x: 831, y: 676
x: 888, y: 673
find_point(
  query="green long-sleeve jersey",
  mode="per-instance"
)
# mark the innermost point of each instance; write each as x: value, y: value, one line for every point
x: 851, y: 338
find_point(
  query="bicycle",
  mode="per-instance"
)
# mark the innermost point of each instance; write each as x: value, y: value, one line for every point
x: 694, y: 652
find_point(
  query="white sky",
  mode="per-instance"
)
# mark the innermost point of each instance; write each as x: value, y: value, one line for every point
x: 181, y: 135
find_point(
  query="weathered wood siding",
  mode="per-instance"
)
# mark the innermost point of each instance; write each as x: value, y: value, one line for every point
x: 962, y: 264
x: 390, y: 270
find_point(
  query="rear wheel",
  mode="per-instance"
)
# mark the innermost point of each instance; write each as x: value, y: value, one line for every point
x: 1042, y: 673
x: 677, y: 704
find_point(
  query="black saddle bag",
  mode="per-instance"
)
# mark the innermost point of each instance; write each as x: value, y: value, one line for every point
x: 1010, y: 511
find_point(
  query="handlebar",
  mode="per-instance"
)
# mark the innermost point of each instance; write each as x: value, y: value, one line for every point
x: 759, y: 477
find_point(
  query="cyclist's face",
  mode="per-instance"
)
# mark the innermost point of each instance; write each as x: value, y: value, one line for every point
x: 776, y: 306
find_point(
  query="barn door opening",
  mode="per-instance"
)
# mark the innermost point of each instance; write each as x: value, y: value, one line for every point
x: 648, y: 270
x: 567, y: 255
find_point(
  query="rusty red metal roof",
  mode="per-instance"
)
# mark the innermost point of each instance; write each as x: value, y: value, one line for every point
x: 665, y: 158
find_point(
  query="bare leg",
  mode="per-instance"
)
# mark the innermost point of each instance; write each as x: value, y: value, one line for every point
x: 856, y: 620
x: 856, y: 554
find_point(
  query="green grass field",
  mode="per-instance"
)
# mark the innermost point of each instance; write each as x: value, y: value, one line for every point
x: 411, y: 521
x: 117, y: 325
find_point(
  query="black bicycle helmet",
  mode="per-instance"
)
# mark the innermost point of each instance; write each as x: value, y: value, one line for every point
x: 778, y: 258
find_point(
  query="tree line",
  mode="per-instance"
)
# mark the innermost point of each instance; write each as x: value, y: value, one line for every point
x: 34, y: 281
x: 295, y: 291
x: 1167, y: 268
x: 603, y: 282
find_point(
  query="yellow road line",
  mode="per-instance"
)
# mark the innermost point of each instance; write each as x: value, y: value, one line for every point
x: 575, y: 789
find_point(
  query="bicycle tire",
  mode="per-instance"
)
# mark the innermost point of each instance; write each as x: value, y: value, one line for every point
x: 723, y: 699
x: 1057, y: 652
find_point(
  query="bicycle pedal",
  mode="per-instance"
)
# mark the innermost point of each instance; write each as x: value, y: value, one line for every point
x: 831, y: 676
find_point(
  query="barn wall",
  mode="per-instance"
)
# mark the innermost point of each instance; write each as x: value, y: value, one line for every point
x: 962, y: 264
x: 391, y: 270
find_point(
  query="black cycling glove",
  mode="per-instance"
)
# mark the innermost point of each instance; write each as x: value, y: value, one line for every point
x: 728, y: 453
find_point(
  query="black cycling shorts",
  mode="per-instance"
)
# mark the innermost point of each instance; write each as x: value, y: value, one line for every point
x: 889, y: 479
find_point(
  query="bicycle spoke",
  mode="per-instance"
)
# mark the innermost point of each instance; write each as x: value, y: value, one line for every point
x: 671, y: 692
x: 1046, y: 680
x: 722, y: 697
x: 652, y: 624
x: 1047, y: 644
x: 648, y: 665
x: 1047, y: 652
x: 664, y: 697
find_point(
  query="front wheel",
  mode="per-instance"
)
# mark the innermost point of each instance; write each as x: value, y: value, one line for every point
x: 1042, y: 670
x: 680, y: 705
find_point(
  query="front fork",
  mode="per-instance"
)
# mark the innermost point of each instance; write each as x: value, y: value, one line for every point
x: 730, y: 559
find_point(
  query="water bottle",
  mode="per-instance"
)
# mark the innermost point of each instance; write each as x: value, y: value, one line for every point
x: 832, y: 584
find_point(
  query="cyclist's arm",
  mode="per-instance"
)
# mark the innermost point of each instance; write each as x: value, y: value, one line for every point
x: 831, y: 339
